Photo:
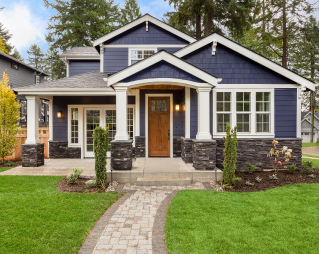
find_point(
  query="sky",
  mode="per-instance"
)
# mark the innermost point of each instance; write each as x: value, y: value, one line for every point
x: 27, y: 20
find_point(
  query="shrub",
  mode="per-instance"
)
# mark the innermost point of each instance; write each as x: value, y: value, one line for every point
x: 101, y: 143
x: 237, y: 181
x: 77, y: 171
x: 230, y: 155
x: 291, y: 168
x: 90, y: 183
x: 258, y: 179
x: 274, y: 155
x: 273, y: 177
x: 307, y: 165
x: 9, y: 164
x: 72, y: 178
x: 249, y: 183
x: 250, y: 168
x: 312, y: 176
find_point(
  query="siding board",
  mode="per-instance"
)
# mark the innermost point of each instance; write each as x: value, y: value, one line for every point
x: 83, y: 66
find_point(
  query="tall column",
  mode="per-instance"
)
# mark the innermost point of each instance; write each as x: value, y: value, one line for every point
x: 121, y: 114
x: 203, y: 113
x: 32, y: 120
x: 51, y: 120
x: 187, y: 112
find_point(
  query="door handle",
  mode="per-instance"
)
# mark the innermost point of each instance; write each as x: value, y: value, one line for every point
x: 168, y: 134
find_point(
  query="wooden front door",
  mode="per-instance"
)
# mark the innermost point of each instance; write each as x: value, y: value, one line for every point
x: 158, y: 126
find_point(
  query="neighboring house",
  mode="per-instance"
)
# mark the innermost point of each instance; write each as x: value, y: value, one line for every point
x: 162, y: 93
x: 306, y: 118
x: 21, y: 74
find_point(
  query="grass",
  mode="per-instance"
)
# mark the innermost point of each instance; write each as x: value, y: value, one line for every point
x: 4, y: 168
x: 315, y: 162
x: 38, y: 218
x: 310, y: 144
x: 281, y: 220
x: 310, y: 155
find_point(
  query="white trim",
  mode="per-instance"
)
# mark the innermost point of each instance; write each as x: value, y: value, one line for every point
x: 121, y: 114
x: 138, y: 48
x: 76, y: 57
x: 298, y: 115
x: 187, y: 112
x: 254, y: 86
x: 66, y: 91
x: 247, y: 53
x: 203, y: 113
x: 136, y: 92
x: 170, y: 95
x: 33, y: 120
x: 51, y: 119
x: 101, y: 58
x: 138, y: 21
x: 305, y: 130
x: 162, y: 56
x: 147, y: 46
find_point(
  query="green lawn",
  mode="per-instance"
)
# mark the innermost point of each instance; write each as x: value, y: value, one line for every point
x: 281, y: 220
x: 38, y: 218
x: 309, y: 144
x: 4, y: 168
x: 310, y: 155
x: 315, y: 162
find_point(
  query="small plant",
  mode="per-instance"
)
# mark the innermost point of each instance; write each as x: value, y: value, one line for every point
x: 307, y: 165
x: 258, y: 179
x: 9, y: 164
x: 90, y: 183
x: 273, y: 177
x: 274, y: 156
x: 77, y: 171
x: 86, y: 191
x: 250, y: 168
x: 237, y: 181
x: 291, y: 168
x: 312, y: 176
x: 249, y: 183
x: 72, y: 178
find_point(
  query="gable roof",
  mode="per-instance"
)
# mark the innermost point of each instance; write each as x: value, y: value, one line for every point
x: 310, y: 123
x: 169, y: 58
x: 20, y: 62
x: 81, y: 52
x: 138, y: 21
x: 247, y: 53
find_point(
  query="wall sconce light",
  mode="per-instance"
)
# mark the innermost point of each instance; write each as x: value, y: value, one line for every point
x: 59, y: 114
x: 177, y: 107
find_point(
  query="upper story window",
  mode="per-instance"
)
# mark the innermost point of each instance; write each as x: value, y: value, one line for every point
x: 140, y: 54
x: 37, y: 79
x: 14, y: 66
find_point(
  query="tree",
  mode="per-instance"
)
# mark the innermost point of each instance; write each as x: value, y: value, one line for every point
x: 9, y: 116
x: 230, y: 155
x: 54, y: 66
x: 35, y: 57
x: 17, y: 55
x: 3, y: 47
x: 130, y: 12
x: 5, y: 36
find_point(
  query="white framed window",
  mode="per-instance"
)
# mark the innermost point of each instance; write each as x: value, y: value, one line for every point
x: 243, y: 109
x: 136, y: 55
x: 74, y: 125
x: 263, y: 109
x: 223, y: 105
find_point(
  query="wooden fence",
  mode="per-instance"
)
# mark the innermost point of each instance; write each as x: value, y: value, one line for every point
x: 43, y: 136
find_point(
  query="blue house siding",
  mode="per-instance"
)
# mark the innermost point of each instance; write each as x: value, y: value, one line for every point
x: 139, y: 35
x: 60, y: 103
x: 115, y: 59
x: 162, y: 70
x: 178, y: 116
x: 285, y: 112
x: 194, y: 114
x: 233, y: 67
x: 83, y: 66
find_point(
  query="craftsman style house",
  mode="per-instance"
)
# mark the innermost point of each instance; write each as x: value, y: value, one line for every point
x: 163, y: 93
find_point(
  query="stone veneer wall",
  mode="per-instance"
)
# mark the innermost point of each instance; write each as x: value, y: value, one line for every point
x: 177, y: 146
x: 255, y: 151
x: 139, y: 146
x: 32, y: 155
x: 121, y: 154
x: 187, y: 150
x: 60, y: 150
x: 204, y: 154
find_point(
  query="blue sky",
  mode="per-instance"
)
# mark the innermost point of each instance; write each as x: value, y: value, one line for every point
x: 27, y: 19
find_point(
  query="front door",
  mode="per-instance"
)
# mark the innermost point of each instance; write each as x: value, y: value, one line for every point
x: 158, y: 126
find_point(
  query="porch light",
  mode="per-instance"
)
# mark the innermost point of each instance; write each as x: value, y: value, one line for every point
x: 177, y: 107
x: 59, y: 114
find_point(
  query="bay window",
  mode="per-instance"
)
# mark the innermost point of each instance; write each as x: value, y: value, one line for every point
x: 223, y: 106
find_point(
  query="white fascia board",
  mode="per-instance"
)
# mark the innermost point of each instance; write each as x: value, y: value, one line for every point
x: 139, y: 21
x: 64, y: 91
x: 249, y: 54
x: 70, y: 57
x: 310, y: 123
x: 255, y: 86
x: 146, y: 46
x: 162, y: 56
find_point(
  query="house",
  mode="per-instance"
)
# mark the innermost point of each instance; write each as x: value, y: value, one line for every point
x: 306, y: 118
x: 162, y: 93
x: 21, y: 74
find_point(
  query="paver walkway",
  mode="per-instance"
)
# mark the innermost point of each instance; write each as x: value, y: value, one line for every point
x: 131, y: 228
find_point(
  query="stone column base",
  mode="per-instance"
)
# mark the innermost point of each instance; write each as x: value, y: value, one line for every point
x: 204, y: 154
x: 139, y: 146
x: 32, y: 155
x: 121, y: 154
x: 60, y: 150
x: 187, y: 150
x: 177, y: 147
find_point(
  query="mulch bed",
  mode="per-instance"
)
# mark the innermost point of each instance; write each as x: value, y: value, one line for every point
x: 16, y: 164
x: 78, y: 187
x: 284, y: 178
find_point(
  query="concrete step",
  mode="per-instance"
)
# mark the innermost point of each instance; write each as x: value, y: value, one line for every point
x: 182, y: 181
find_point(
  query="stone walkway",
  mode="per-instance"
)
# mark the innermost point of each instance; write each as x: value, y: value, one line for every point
x: 135, y: 223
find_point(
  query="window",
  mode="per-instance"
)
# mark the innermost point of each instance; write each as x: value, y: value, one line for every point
x: 263, y: 112
x: 130, y: 126
x: 23, y: 111
x: 223, y: 105
x: 159, y: 105
x: 37, y: 79
x: 74, y: 125
x: 243, y: 100
x: 140, y: 54
x: 14, y: 66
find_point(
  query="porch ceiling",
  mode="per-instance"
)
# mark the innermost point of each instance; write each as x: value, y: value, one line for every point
x: 159, y: 87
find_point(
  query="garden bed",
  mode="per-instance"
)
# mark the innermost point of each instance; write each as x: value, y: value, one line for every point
x: 284, y: 178
x: 78, y: 187
x: 15, y: 164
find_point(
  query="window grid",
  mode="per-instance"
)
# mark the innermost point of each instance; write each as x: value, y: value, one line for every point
x: 223, y: 105
x: 138, y: 55
x: 130, y: 123
x: 243, y: 101
x: 263, y: 109
x: 74, y: 126
x: 110, y: 118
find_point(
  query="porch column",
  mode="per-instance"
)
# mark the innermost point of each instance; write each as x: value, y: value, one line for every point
x: 51, y: 119
x: 121, y: 114
x: 187, y: 112
x: 32, y: 120
x: 203, y: 113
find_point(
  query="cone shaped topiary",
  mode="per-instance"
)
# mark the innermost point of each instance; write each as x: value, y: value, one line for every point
x: 230, y: 155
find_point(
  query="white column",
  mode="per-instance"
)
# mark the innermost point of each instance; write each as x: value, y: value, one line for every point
x: 51, y: 120
x: 298, y: 121
x: 101, y: 58
x: 121, y: 114
x: 32, y: 120
x: 203, y: 113
x: 187, y: 112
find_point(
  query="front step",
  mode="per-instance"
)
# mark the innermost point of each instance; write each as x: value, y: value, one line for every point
x: 163, y: 181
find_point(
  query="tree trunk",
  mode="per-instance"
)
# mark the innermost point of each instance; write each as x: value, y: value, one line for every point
x: 264, y: 30
x: 284, y: 36
x: 198, y: 25
x: 209, y: 22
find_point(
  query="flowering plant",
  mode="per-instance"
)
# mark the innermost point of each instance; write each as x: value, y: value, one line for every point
x: 274, y: 156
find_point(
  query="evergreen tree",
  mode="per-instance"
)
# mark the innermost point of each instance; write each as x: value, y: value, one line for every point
x: 54, y: 66
x: 6, y: 36
x: 17, y: 55
x: 130, y: 12
x: 36, y: 57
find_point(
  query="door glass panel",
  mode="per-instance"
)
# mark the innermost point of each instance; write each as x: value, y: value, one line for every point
x: 159, y: 105
x: 164, y: 105
x: 153, y: 105
x: 92, y: 121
